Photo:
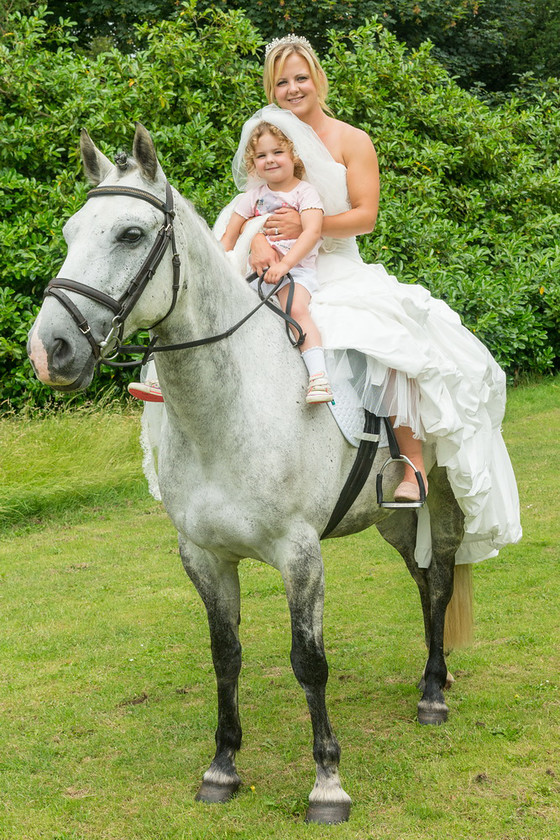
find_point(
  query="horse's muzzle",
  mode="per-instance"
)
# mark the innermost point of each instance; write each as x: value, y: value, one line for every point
x: 60, y: 356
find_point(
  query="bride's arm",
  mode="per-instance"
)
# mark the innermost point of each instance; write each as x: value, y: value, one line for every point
x: 362, y: 176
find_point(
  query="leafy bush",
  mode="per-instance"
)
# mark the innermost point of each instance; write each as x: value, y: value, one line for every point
x: 470, y: 200
x: 479, y: 42
x: 182, y: 85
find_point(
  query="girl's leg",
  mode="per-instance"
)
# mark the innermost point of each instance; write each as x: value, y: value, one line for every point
x: 319, y: 389
x: 300, y: 313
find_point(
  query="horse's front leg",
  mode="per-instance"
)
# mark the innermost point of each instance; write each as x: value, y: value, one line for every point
x: 217, y: 583
x: 304, y: 582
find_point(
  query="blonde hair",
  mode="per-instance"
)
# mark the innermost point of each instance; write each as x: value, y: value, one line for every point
x: 274, y: 64
x: 283, y: 141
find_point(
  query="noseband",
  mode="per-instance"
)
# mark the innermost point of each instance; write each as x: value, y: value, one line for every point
x: 123, y: 306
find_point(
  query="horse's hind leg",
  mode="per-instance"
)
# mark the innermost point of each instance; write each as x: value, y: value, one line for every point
x: 304, y: 581
x: 399, y: 530
x: 447, y: 533
x: 217, y: 583
x: 435, y: 584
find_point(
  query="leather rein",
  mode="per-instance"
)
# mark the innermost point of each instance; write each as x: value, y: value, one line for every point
x: 106, y: 350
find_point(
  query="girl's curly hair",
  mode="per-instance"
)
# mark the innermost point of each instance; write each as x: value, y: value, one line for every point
x: 283, y: 141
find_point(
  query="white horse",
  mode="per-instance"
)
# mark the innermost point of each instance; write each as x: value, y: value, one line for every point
x: 246, y: 468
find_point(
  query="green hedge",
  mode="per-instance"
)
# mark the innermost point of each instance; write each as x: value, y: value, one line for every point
x: 470, y: 199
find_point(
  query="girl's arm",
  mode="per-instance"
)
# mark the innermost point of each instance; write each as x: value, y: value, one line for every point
x: 311, y: 221
x: 263, y: 255
x: 233, y: 231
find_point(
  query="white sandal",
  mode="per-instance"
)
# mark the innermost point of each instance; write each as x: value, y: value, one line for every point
x: 319, y: 390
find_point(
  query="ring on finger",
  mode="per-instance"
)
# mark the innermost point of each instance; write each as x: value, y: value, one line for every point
x: 276, y: 230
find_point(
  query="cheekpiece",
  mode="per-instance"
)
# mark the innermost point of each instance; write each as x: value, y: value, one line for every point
x: 287, y: 39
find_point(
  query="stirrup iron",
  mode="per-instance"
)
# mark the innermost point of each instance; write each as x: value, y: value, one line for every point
x: 393, y: 504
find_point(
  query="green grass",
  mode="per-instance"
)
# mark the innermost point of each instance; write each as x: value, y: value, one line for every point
x: 55, y: 464
x: 107, y: 689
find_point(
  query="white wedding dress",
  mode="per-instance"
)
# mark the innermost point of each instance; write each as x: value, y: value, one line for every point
x: 406, y: 354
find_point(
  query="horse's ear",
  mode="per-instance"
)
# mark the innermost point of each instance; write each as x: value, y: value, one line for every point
x: 96, y: 165
x: 144, y: 153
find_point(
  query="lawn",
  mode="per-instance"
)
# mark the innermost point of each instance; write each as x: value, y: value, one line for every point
x: 107, y: 689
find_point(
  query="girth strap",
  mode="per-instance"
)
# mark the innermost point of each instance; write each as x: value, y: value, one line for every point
x: 361, y: 468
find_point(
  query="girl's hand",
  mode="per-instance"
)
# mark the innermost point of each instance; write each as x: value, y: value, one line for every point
x: 275, y: 273
x: 263, y: 255
x: 284, y: 223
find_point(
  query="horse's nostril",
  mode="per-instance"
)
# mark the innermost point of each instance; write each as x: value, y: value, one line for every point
x: 62, y: 352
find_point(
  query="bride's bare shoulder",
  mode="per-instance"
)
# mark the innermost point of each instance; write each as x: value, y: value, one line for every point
x: 349, y: 134
x: 352, y: 141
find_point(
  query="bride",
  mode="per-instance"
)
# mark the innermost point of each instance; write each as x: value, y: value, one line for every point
x: 405, y: 353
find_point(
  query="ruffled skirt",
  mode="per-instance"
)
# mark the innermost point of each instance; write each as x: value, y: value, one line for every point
x: 409, y: 357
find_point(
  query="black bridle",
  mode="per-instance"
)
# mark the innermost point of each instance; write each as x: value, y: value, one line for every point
x: 106, y: 350
x: 122, y: 307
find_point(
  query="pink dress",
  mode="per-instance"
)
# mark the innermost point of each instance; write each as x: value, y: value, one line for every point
x: 261, y: 200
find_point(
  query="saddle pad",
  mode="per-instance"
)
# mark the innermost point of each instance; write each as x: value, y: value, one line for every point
x: 349, y: 414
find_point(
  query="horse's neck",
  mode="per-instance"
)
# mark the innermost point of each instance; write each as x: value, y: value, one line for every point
x: 215, y: 296
x: 226, y: 379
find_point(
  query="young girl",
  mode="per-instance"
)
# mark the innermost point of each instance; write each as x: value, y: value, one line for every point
x: 271, y: 157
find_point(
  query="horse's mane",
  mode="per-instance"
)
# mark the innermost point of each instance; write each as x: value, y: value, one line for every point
x: 203, y: 245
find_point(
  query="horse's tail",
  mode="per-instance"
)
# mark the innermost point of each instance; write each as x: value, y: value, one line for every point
x: 459, y: 614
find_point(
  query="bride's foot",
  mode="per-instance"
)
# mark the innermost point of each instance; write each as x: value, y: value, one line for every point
x: 148, y: 391
x: 411, y: 448
x: 409, y: 491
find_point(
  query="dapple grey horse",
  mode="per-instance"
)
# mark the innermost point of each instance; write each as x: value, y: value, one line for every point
x: 246, y: 468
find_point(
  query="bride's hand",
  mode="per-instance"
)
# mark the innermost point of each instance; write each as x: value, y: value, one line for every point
x: 284, y: 223
x: 263, y: 255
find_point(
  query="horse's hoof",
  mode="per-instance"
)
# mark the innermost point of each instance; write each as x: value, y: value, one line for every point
x: 213, y: 793
x: 432, y: 714
x: 328, y: 813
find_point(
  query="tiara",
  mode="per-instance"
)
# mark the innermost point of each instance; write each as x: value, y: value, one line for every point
x: 287, y: 39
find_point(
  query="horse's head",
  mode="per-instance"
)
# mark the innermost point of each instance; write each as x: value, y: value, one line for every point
x: 105, y: 288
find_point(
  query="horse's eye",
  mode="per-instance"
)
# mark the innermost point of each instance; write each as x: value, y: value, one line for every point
x: 131, y: 235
